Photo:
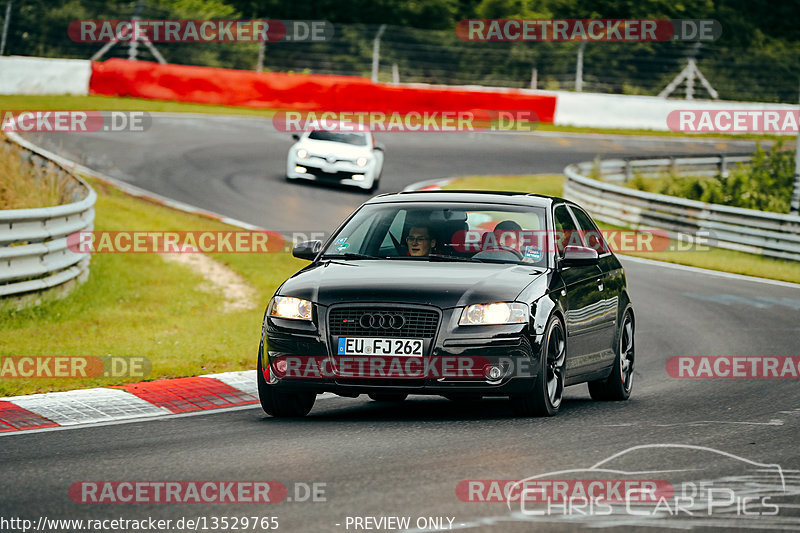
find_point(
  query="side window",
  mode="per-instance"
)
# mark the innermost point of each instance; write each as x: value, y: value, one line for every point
x: 566, y: 231
x: 591, y: 235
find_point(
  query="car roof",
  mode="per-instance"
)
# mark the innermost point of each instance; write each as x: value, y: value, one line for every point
x: 486, y: 197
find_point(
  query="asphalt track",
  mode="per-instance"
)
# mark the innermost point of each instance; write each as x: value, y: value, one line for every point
x: 407, y: 460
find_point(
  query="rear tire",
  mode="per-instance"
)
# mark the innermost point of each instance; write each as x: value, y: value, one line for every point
x: 548, y: 390
x: 395, y: 397
x: 618, y: 385
x: 282, y: 404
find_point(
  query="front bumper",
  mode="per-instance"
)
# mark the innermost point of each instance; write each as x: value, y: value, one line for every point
x: 343, y: 173
x: 304, y: 348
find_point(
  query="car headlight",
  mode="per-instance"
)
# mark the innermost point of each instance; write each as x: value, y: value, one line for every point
x: 302, y: 153
x: 291, y: 308
x: 494, y: 313
x: 362, y: 161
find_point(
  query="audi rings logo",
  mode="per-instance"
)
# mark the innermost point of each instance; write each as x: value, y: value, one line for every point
x: 382, y: 321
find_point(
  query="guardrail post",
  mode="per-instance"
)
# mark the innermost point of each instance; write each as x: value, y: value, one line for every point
x: 628, y: 170
x: 723, y: 166
x: 376, y: 52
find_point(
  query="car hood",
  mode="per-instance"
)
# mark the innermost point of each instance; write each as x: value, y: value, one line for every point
x: 342, y: 150
x: 441, y: 284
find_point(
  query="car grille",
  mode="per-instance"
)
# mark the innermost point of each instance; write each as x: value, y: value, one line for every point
x: 417, y: 323
x: 333, y: 176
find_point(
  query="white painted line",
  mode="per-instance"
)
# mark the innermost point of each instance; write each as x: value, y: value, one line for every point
x: 697, y: 270
x: 130, y: 420
x: 87, y: 406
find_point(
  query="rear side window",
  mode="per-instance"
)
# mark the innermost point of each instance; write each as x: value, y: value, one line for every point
x: 591, y: 235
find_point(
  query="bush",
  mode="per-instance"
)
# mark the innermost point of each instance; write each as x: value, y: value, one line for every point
x: 766, y: 184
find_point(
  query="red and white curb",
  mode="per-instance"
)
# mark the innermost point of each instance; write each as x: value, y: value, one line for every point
x: 151, y: 399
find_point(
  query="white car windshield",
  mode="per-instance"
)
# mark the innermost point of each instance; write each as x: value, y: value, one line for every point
x: 357, y: 139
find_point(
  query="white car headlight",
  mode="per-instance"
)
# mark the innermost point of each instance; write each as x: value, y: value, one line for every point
x: 362, y: 161
x: 302, y: 153
x: 494, y: 313
x: 291, y: 308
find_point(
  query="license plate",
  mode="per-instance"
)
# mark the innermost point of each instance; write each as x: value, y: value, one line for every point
x: 378, y: 346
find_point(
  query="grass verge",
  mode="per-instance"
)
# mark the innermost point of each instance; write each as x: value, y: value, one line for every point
x: 142, y: 305
x: 116, y: 103
x: 713, y: 259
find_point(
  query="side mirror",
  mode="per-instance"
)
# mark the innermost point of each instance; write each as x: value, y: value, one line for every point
x: 379, y: 146
x: 307, y: 250
x: 579, y: 256
x: 296, y: 136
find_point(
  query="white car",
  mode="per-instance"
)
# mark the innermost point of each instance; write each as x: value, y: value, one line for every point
x: 347, y: 158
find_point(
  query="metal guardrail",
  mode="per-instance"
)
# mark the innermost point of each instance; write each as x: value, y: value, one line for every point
x: 747, y: 230
x: 33, y: 242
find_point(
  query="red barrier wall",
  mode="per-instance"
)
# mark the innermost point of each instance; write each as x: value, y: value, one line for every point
x: 140, y: 79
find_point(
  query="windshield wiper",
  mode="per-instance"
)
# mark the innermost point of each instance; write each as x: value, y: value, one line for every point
x: 349, y: 255
x: 448, y: 258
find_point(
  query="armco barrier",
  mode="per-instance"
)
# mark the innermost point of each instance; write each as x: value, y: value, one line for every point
x: 33, y: 242
x: 206, y: 85
x: 748, y: 230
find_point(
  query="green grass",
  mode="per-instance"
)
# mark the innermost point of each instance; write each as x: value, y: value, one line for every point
x: 142, y: 305
x: 714, y: 259
x: 654, y: 133
x: 115, y: 103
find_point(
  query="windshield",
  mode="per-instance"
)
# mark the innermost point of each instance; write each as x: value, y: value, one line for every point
x: 487, y: 233
x: 357, y: 139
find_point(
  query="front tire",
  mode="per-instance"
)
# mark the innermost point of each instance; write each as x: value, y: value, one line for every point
x: 282, y: 404
x: 618, y: 386
x: 548, y: 390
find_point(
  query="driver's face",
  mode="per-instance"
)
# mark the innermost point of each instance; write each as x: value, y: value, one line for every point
x: 507, y: 239
x: 419, y: 242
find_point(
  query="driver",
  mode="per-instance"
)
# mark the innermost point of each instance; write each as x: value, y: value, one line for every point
x: 420, y: 241
x: 506, y: 234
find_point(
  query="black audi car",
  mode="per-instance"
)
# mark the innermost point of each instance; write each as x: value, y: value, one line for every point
x: 461, y: 294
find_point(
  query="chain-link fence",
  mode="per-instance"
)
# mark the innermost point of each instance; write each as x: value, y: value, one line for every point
x: 768, y: 74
